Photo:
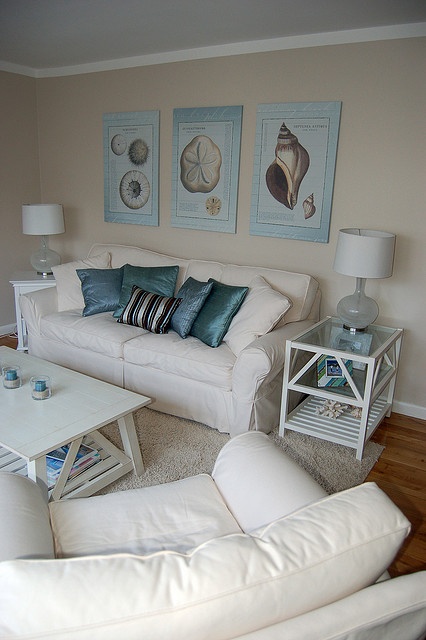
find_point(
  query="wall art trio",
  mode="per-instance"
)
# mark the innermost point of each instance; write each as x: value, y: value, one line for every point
x: 293, y: 172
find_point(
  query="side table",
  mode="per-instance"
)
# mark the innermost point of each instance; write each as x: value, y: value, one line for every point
x: 365, y: 380
x: 25, y: 282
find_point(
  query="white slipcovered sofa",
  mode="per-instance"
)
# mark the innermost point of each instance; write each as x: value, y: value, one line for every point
x: 234, y: 387
x: 257, y: 551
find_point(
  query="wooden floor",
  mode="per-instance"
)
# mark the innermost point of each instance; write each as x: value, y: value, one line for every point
x: 400, y: 472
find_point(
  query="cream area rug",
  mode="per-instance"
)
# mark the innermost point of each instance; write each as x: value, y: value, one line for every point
x: 174, y: 448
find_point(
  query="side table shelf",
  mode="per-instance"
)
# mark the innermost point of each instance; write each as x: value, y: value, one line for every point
x: 369, y: 382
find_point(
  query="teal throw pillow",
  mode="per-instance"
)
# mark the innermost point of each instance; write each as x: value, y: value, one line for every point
x: 212, y: 323
x: 194, y: 294
x: 101, y: 289
x: 149, y: 310
x: 161, y: 280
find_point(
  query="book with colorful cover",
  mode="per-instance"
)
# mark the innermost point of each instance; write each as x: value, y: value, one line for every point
x: 85, y: 458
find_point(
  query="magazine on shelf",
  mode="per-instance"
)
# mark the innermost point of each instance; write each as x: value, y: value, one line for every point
x: 85, y: 458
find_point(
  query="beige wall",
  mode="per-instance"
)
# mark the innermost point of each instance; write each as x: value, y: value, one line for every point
x: 379, y: 182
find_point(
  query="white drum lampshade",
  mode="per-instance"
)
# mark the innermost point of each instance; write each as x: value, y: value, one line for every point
x: 43, y: 220
x: 362, y: 253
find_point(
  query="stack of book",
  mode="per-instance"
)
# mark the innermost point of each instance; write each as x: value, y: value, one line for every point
x: 85, y: 458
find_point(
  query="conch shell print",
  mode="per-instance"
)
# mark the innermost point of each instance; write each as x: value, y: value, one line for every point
x: 200, y: 164
x: 284, y: 176
x: 308, y: 206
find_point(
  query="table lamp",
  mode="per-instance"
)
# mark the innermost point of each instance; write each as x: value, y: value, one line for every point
x: 43, y: 220
x: 362, y: 253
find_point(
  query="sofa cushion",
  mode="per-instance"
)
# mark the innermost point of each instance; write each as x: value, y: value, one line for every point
x: 217, y: 312
x: 194, y: 294
x: 234, y: 584
x: 177, y: 516
x: 188, y: 358
x: 160, y: 280
x: 68, y: 286
x: 262, y: 309
x: 101, y: 289
x: 149, y: 310
x: 99, y: 333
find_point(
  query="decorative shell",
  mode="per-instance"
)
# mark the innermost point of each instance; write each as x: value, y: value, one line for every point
x: 308, y: 206
x: 200, y: 164
x: 285, y: 174
x: 330, y: 409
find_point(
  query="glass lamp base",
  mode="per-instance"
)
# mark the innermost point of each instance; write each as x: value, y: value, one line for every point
x: 357, y: 311
x: 44, y: 259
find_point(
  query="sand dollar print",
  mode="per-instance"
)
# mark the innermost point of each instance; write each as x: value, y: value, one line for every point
x: 213, y: 205
x: 118, y: 144
x: 134, y: 189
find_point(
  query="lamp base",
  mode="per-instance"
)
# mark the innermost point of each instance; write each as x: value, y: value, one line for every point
x: 44, y: 259
x: 357, y: 311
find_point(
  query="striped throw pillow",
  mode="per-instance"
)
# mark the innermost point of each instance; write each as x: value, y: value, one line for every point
x: 149, y: 310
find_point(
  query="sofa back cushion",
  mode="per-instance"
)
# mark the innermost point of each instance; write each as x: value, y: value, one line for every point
x: 232, y: 585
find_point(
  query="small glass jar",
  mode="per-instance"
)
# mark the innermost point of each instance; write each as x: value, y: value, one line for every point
x: 41, y: 388
x: 12, y: 378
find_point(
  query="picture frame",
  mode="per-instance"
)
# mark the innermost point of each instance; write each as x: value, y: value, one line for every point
x: 293, y: 174
x: 206, y: 156
x: 359, y: 342
x: 329, y: 372
x: 131, y: 161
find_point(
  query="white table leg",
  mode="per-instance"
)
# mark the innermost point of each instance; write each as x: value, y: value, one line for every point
x: 37, y: 472
x: 130, y: 442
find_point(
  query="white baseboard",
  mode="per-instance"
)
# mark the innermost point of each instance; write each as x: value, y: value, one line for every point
x: 412, y: 410
x: 7, y: 329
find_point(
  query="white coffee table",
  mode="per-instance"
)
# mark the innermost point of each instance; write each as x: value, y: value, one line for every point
x: 78, y: 407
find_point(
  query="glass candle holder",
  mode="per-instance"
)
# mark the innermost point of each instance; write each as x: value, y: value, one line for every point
x: 41, y: 388
x: 12, y: 378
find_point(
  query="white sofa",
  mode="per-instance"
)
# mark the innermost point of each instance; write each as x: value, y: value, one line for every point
x: 257, y: 551
x: 234, y: 388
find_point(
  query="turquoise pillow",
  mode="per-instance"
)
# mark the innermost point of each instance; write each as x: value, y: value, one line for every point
x: 161, y: 280
x: 216, y: 315
x: 194, y: 294
x: 101, y: 289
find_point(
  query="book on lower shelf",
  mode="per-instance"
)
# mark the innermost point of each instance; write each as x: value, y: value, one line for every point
x: 86, y: 457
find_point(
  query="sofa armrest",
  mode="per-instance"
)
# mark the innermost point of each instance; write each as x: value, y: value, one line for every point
x: 259, y: 482
x: 37, y: 304
x: 25, y: 530
x: 262, y: 360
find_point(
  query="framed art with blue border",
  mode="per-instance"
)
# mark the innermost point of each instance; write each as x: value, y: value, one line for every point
x: 131, y: 153
x: 206, y: 158
x: 294, y: 164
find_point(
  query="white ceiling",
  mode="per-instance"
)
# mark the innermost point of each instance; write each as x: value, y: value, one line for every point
x: 39, y: 36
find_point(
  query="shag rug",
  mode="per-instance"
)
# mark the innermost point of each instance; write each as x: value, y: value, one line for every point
x: 174, y: 448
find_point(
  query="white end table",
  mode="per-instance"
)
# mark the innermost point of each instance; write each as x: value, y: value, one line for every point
x: 369, y: 376
x: 25, y: 282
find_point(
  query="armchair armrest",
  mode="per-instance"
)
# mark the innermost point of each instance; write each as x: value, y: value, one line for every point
x: 24, y: 519
x: 37, y: 304
x: 259, y: 482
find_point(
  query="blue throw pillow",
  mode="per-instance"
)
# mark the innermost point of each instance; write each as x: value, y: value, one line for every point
x: 212, y: 323
x: 194, y: 294
x: 161, y: 280
x: 101, y: 289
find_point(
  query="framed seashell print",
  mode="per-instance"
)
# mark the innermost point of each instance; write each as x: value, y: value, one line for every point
x: 206, y: 154
x: 293, y: 175
x: 131, y: 150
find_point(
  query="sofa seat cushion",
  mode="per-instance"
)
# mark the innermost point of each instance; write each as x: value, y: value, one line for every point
x: 177, y: 516
x: 99, y: 333
x: 189, y: 358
